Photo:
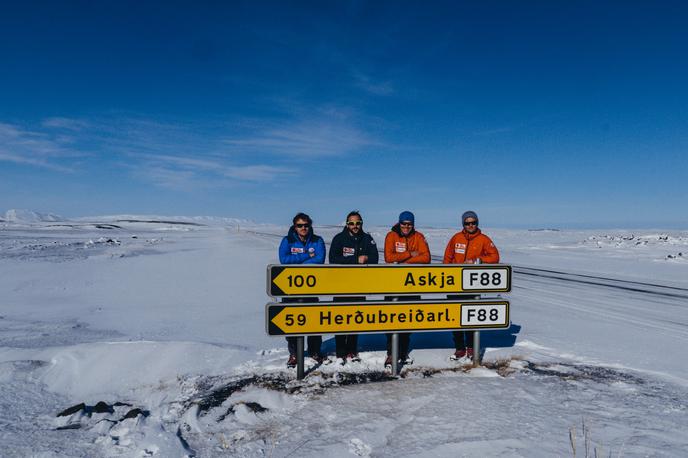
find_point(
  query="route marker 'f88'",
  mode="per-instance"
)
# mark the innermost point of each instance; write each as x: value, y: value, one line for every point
x: 400, y: 279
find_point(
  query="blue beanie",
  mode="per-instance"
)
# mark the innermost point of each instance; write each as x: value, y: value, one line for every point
x: 469, y: 214
x: 407, y: 216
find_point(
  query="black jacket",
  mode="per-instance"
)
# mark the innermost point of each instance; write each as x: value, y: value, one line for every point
x: 346, y: 248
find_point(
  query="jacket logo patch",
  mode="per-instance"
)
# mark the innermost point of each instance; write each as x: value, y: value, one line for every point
x: 459, y: 248
x: 311, y: 250
x: 348, y: 251
x: 400, y: 247
x: 297, y: 250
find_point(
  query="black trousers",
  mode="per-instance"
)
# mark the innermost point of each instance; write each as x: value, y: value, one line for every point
x: 404, y: 337
x: 347, y: 343
x: 314, y: 342
x: 462, y: 339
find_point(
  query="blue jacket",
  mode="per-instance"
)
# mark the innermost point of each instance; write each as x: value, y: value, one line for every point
x: 293, y: 251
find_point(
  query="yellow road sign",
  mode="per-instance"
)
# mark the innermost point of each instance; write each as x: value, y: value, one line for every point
x: 337, y: 280
x: 370, y: 317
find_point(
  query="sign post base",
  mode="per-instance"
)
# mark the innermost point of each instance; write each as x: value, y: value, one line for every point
x: 299, y: 358
x: 476, y: 348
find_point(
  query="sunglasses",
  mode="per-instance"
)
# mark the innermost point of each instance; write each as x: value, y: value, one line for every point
x: 354, y: 223
x: 300, y: 226
x: 406, y: 224
x: 470, y: 223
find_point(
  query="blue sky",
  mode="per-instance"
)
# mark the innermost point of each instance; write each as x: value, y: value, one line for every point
x: 531, y: 113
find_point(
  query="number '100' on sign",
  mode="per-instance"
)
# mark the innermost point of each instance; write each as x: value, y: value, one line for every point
x: 299, y: 280
x: 338, y: 280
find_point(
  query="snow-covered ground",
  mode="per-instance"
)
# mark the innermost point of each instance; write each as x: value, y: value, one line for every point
x: 157, y: 326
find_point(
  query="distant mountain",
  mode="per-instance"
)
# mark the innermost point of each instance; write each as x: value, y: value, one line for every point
x: 28, y: 216
x: 191, y: 220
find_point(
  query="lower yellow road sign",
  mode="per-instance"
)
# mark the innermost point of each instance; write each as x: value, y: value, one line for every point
x: 370, y: 317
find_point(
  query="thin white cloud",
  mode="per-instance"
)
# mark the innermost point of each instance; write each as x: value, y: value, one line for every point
x: 310, y: 138
x: 258, y: 172
x: 27, y: 147
x: 190, y: 167
x: 365, y: 82
x: 8, y: 132
x: 186, y: 162
x: 33, y: 162
x: 187, y: 154
x: 496, y: 131
x: 167, y: 178
x: 65, y: 123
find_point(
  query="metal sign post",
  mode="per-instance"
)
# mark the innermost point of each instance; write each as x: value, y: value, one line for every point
x: 476, y: 348
x: 476, y: 337
x: 395, y: 354
x: 300, y: 369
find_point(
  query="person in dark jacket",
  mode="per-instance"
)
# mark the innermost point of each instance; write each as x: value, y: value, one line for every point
x: 352, y: 246
x: 302, y: 246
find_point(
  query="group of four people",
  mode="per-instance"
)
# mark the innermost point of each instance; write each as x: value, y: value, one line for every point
x: 403, y: 245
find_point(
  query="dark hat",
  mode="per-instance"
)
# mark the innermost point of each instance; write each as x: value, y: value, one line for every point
x: 469, y: 214
x: 407, y: 216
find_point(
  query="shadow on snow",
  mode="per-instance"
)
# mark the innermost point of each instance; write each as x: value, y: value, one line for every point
x: 502, y: 338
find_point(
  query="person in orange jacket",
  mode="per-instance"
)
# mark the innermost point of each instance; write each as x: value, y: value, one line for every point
x: 404, y: 244
x: 468, y: 247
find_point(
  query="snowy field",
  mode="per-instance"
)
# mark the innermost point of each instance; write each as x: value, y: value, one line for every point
x: 145, y: 336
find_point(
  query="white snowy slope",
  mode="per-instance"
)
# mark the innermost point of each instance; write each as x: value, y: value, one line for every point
x: 156, y: 324
x: 27, y: 216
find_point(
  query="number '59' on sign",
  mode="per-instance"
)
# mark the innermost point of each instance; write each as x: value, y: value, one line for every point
x: 300, y: 319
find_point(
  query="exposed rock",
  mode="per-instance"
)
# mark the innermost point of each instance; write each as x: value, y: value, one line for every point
x: 69, y: 426
x: 72, y: 410
x: 103, y: 407
x: 133, y: 413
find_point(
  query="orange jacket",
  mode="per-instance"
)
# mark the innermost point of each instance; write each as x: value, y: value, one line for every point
x: 398, y: 248
x: 465, y: 248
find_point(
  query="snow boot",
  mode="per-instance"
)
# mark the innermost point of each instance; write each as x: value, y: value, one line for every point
x: 458, y: 354
x: 353, y: 357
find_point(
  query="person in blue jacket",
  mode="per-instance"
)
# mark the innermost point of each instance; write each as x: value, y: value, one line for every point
x: 302, y: 246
